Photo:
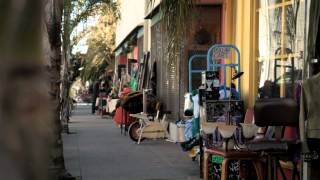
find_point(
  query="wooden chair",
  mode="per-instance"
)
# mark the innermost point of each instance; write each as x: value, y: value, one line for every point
x: 232, y: 155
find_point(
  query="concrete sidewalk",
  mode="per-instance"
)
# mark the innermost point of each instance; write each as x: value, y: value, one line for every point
x: 95, y: 150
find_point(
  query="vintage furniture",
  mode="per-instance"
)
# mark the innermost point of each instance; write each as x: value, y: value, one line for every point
x: 230, y: 154
x: 279, y: 113
x: 148, y: 127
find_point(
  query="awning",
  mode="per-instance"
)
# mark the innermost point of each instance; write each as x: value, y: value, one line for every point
x: 130, y: 37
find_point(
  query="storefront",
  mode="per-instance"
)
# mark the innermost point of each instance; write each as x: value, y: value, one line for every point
x: 271, y: 38
x: 269, y: 34
x: 278, y: 40
x: 128, y: 52
x: 172, y: 75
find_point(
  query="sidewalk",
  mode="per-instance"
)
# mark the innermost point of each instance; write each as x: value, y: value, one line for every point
x: 95, y: 150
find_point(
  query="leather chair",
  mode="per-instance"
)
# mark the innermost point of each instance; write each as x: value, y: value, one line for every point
x: 278, y: 113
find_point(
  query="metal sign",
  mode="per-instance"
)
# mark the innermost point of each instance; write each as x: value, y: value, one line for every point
x: 221, y: 53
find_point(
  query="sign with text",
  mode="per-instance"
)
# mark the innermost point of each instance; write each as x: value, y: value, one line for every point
x: 221, y: 53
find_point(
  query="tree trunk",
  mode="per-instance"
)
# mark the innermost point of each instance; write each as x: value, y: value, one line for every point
x: 66, y: 55
x: 52, y: 47
x: 24, y: 102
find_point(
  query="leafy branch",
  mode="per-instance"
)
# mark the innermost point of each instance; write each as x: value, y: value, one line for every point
x: 176, y: 16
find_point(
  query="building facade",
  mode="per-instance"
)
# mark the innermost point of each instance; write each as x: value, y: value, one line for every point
x: 276, y: 38
x: 269, y: 34
x: 129, y: 35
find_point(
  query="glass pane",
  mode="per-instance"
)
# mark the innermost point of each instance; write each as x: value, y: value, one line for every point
x: 289, y: 34
x: 269, y: 33
x: 288, y: 75
x: 280, y: 72
x: 267, y: 89
x: 293, y: 47
x: 300, y: 28
x: 267, y: 3
x: 274, y: 74
x: 277, y: 76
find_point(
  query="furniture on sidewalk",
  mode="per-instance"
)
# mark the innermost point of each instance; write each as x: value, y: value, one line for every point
x: 229, y: 151
x: 130, y: 103
x: 124, y: 122
x: 278, y: 113
x: 148, y: 127
x: 229, y: 156
x: 120, y: 118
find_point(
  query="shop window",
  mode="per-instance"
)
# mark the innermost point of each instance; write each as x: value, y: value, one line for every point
x: 280, y: 46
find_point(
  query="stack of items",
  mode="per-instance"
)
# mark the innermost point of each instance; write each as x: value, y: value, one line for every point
x: 191, y: 132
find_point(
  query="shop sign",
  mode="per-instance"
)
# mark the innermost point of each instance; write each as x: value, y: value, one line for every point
x: 221, y: 53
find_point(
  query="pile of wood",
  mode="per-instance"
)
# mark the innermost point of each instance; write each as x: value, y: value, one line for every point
x: 144, y: 73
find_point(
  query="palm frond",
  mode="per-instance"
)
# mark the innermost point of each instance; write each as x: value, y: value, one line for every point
x: 176, y: 16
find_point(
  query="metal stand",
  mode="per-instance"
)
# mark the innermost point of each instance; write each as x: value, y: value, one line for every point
x: 144, y: 99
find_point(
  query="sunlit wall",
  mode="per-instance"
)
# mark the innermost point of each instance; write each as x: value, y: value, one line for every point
x: 132, y: 14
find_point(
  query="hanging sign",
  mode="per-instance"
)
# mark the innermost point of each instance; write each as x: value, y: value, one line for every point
x: 221, y: 53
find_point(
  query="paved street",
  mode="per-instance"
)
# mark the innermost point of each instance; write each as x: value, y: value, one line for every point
x: 95, y: 150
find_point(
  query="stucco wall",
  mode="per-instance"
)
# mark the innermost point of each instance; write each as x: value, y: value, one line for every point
x: 132, y: 14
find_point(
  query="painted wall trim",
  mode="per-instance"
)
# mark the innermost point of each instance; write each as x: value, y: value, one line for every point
x: 156, y: 18
x: 134, y: 32
x: 118, y: 52
x: 140, y: 32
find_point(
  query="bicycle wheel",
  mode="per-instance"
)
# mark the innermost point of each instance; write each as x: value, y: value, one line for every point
x: 133, y: 131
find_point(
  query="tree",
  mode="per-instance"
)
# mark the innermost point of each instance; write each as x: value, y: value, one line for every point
x: 55, y: 58
x: 25, y: 123
x: 52, y: 53
x: 30, y: 70
x: 175, y: 18
x: 101, y: 43
x: 74, y: 13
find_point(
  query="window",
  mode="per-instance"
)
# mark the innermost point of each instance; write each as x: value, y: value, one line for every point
x: 280, y: 46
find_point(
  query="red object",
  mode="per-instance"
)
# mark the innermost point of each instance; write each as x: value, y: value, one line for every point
x: 119, y: 115
x: 126, y: 90
x: 135, y: 52
x: 291, y: 133
x: 123, y: 59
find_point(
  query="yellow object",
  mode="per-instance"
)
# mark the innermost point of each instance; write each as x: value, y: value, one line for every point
x: 240, y: 30
x: 245, y: 37
x: 193, y: 152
